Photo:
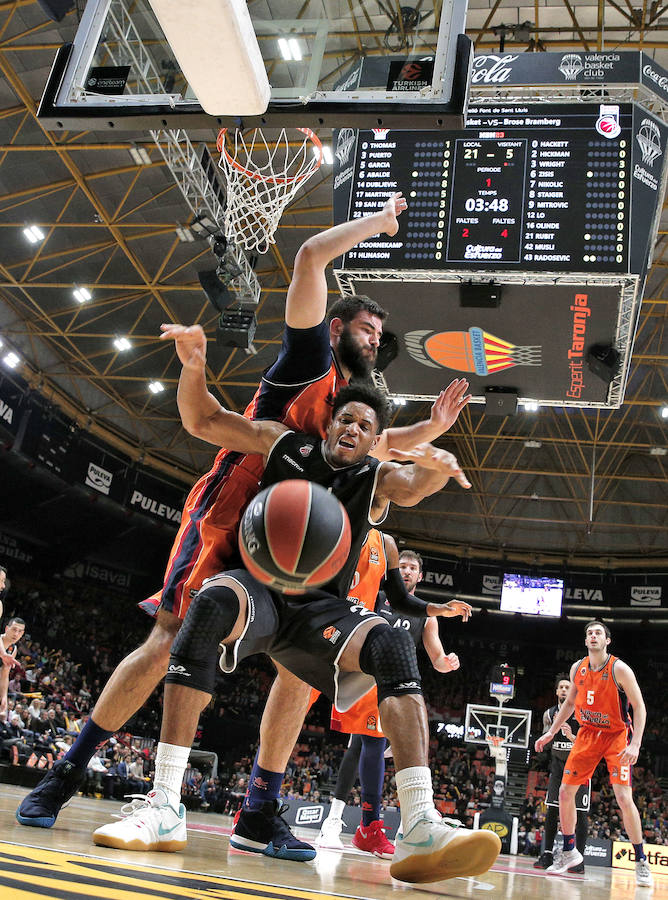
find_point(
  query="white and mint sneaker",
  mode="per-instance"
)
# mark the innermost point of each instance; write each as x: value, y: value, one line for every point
x: 148, y: 822
x: 643, y: 873
x: 433, y: 850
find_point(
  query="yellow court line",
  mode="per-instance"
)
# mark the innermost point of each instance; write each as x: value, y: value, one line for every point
x: 58, y: 870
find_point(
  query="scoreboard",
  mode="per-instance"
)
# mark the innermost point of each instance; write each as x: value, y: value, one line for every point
x: 551, y: 196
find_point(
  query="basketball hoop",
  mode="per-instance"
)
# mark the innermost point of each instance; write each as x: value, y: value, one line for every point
x: 496, y: 748
x: 261, y: 178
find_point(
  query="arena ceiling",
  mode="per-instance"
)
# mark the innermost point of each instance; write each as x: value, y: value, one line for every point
x: 575, y: 485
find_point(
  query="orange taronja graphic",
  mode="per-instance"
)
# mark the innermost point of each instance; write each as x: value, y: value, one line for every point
x: 474, y: 350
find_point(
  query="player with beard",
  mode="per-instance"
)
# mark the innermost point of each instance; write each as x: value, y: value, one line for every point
x: 298, y: 389
x: 602, y: 689
x: 561, y: 747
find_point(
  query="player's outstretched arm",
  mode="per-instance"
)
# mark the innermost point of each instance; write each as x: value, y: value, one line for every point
x: 430, y: 471
x: 202, y: 415
x: 444, y: 412
x: 307, y: 295
x: 625, y: 677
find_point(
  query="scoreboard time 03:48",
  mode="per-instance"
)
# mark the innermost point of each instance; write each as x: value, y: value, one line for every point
x: 487, y: 200
x: 539, y: 200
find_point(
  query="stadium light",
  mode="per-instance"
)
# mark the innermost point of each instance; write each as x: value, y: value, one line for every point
x: 122, y: 343
x: 33, y: 234
x: 11, y: 360
x: 81, y: 295
x: 155, y: 387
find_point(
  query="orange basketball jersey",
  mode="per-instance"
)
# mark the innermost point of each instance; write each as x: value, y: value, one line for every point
x: 370, y: 571
x: 363, y: 717
x: 600, y: 703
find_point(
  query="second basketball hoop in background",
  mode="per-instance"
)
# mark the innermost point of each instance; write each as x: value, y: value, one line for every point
x: 261, y: 177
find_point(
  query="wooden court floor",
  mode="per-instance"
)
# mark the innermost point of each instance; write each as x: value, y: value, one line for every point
x: 62, y: 862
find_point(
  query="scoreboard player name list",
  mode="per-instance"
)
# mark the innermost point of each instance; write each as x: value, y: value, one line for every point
x: 531, y: 201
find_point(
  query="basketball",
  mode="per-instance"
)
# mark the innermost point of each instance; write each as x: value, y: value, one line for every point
x: 294, y: 536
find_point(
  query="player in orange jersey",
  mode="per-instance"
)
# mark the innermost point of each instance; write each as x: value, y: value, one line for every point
x: 380, y: 558
x: 602, y: 688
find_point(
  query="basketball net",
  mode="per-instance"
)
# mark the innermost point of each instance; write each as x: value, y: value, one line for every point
x: 497, y: 751
x: 261, y: 177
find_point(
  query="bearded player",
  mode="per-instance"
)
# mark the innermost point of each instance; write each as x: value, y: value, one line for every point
x: 602, y: 689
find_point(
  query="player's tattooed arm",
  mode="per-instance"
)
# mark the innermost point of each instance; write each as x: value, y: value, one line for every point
x: 563, y: 714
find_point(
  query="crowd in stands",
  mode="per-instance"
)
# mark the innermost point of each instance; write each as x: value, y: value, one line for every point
x: 72, y: 644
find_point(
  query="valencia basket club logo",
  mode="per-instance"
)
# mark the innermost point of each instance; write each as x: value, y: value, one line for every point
x: 571, y: 66
x: 474, y: 350
x: 649, y: 141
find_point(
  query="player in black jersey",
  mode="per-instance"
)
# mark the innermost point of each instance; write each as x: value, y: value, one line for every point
x: 339, y: 649
x: 560, y: 748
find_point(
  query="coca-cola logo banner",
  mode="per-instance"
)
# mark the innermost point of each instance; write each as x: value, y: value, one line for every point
x: 496, y: 69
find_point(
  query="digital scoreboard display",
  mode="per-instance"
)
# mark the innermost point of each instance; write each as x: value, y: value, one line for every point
x: 517, y: 198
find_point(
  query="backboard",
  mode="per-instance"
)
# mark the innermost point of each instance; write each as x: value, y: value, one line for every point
x: 513, y: 725
x: 336, y: 64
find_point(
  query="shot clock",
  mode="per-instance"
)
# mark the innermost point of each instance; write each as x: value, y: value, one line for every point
x: 502, y: 681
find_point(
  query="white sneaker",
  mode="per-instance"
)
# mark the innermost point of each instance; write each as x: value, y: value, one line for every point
x: 147, y: 823
x: 643, y: 873
x: 433, y: 850
x: 566, y: 861
x: 329, y: 834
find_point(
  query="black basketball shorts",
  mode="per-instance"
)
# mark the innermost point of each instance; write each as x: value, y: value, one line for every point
x: 308, y: 638
x: 583, y: 795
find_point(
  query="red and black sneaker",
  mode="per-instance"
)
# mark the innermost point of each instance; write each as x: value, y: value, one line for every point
x: 371, y: 838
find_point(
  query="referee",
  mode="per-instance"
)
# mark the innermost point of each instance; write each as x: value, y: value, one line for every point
x: 561, y: 747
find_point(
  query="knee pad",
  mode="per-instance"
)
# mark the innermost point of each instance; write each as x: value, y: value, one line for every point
x: 389, y: 655
x: 209, y: 620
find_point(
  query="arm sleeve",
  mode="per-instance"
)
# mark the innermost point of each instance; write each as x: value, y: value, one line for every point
x: 399, y: 598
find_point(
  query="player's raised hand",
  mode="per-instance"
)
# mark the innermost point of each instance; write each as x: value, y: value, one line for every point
x: 190, y: 342
x: 449, y: 404
x: 393, y: 208
x: 543, y: 741
x: 429, y: 457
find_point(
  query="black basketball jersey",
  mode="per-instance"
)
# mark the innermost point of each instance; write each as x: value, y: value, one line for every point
x: 561, y: 746
x: 298, y: 455
x: 414, y: 625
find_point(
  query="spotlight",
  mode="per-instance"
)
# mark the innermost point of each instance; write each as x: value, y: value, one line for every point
x: 122, y: 344
x: 81, y: 295
x: 156, y: 387
x: 33, y: 234
x: 204, y: 226
x: 11, y: 360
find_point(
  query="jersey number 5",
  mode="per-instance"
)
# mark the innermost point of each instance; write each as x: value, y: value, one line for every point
x: 590, y: 698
